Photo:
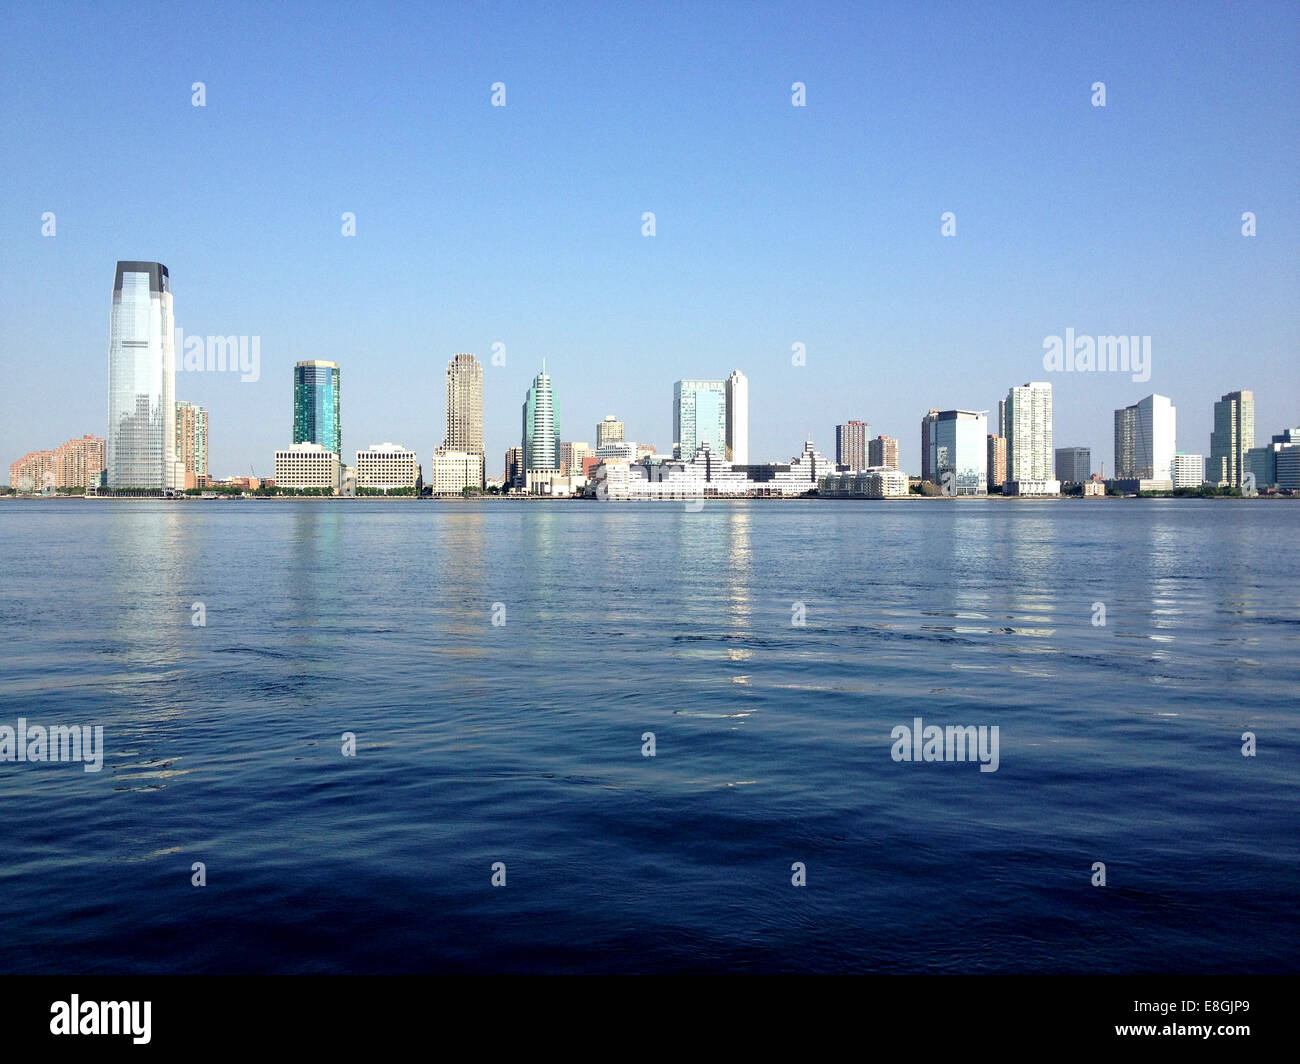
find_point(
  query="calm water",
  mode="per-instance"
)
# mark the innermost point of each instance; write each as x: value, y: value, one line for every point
x: 521, y: 743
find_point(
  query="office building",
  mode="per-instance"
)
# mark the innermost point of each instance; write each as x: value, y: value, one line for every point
x: 571, y: 456
x: 1232, y: 437
x: 316, y: 405
x: 514, y: 474
x: 141, y: 441
x: 1073, y: 464
x: 386, y: 467
x: 927, y: 444
x: 1262, y: 461
x: 699, y: 417
x: 851, y: 445
x: 882, y: 453
x: 737, y: 418
x: 541, y: 429
x: 1145, y: 440
x: 1030, y: 461
x: 1188, y: 470
x: 306, y: 466
x: 451, y: 472
x: 957, y: 446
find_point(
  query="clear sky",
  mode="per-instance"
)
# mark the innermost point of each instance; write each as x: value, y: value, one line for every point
x: 775, y: 224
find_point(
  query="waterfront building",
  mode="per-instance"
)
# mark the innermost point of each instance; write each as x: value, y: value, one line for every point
x: 571, y: 456
x: 386, y: 466
x: 882, y: 453
x: 851, y: 445
x: 317, y: 405
x: 77, y: 463
x: 451, y: 472
x: 927, y: 444
x: 465, y: 409
x: 1232, y: 437
x: 306, y: 466
x: 1262, y: 461
x: 1073, y: 464
x: 1188, y: 470
x: 872, y: 483
x: 192, y: 444
x: 541, y: 431
x: 699, y: 417
x: 1029, y: 440
x: 958, y: 445
x: 996, y: 453
x: 141, y: 442
x: 514, y: 473
x: 737, y: 418
x: 1145, y: 440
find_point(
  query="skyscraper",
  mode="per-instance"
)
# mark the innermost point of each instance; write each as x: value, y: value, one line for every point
x: 465, y: 409
x: 700, y: 416
x: 927, y: 445
x: 737, y: 398
x: 141, y: 440
x: 1145, y: 440
x: 1029, y: 439
x: 192, y: 444
x: 851, y: 444
x: 541, y: 435
x: 611, y: 430
x: 1233, y: 436
x: 316, y: 405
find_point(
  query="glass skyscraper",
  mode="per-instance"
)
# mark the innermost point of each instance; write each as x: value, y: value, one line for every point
x: 141, y: 443
x: 700, y: 415
x: 958, y: 442
x: 316, y: 405
x: 541, y: 436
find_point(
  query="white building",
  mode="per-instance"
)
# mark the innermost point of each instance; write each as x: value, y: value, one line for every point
x: 1144, y: 440
x: 307, y: 465
x: 386, y: 466
x: 709, y: 476
x: 878, y: 482
x: 451, y: 472
x: 1188, y: 470
x: 1030, y: 457
x: 737, y: 394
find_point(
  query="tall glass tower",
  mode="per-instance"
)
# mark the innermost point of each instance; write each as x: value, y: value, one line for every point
x: 699, y: 416
x: 316, y: 405
x: 141, y: 444
x: 541, y: 438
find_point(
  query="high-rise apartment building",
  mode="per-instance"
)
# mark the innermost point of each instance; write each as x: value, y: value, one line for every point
x: 882, y: 453
x: 316, y: 405
x: 997, y: 461
x: 1233, y: 436
x: 1145, y: 440
x: 851, y: 444
x: 141, y: 441
x: 1029, y: 440
x: 737, y: 418
x: 192, y: 443
x: 611, y: 430
x: 1073, y: 464
x: 465, y: 409
x: 77, y: 463
x: 541, y: 429
x: 699, y: 417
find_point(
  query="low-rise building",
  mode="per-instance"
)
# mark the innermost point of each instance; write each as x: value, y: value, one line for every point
x: 1188, y: 470
x: 307, y: 466
x: 451, y: 472
x: 387, y: 466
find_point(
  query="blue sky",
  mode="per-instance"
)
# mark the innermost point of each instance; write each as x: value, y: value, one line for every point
x: 775, y: 225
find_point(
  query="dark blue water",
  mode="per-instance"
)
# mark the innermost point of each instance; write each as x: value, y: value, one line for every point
x: 521, y: 743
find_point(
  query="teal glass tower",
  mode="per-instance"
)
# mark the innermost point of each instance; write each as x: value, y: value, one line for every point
x: 541, y: 435
x: 316, y: 405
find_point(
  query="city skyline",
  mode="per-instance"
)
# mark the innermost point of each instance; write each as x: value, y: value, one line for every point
x: 776, y: 225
